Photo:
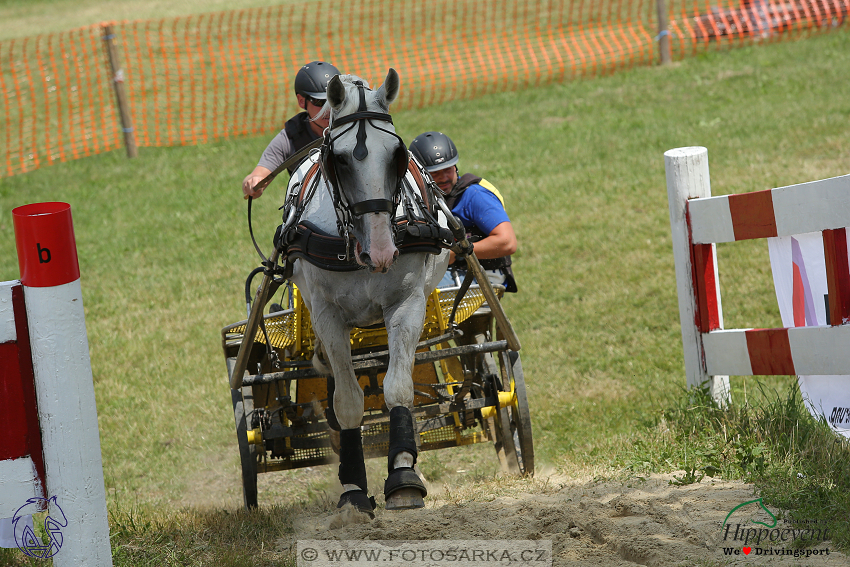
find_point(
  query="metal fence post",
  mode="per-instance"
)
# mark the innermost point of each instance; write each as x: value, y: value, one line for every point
x: 118, y: 84
x: 663, y: 32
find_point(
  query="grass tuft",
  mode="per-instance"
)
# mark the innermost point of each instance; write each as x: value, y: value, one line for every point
x: 797, y: 463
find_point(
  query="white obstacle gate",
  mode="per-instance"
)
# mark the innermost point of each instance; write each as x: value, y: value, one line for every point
x: 699, y: 221
x: 49, y: 441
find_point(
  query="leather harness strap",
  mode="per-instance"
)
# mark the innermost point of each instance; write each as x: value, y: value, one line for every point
x: 420, y: 182
x: 308, y: 177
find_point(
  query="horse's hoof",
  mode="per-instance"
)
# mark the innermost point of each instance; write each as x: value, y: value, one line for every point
x: 405, y: 499
x: 404, y: 489
x: 361, y: 501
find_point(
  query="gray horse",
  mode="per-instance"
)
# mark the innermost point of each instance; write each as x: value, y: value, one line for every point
x: 355, y: 197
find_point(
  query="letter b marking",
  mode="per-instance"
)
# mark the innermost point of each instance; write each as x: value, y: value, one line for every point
x: 41, y: 254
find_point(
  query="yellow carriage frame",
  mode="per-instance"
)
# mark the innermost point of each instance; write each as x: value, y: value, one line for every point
x: 469, y: 388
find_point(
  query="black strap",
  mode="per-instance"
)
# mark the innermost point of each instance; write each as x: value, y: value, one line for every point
x: 467, y: 281
x: 363, y: 115
x: 372, y: 206
x: 360, y: 150
x: 251, y: 231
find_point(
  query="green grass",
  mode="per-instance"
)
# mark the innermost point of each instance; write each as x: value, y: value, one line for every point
x: 164, y: 250
x: 22, y: 18
x: 798, y: 463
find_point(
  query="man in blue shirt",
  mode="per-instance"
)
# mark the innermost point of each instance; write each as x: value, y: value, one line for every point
x: 478, y: 205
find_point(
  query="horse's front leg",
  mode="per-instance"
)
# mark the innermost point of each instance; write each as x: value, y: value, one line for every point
x: 403, y: 488
x: 348, y: 409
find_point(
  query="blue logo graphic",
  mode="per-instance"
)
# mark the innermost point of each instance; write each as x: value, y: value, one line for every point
x: 26, y: 538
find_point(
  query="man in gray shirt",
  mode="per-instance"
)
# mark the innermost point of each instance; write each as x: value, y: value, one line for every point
x: 311, y: 84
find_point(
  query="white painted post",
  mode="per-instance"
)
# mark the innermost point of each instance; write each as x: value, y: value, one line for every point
x: 687, y: 178
x: 64, y: 386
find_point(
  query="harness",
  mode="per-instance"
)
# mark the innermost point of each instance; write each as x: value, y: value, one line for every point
x: 343, y: 209
x: 411, y: 232
x: 416, y: 229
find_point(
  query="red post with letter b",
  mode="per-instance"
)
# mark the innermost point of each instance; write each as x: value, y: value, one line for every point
x: 54, y: 333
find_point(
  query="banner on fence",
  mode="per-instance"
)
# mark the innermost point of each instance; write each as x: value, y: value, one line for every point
x: 799, y: 276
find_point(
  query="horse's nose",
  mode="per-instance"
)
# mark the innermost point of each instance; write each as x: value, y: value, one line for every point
x: 381, y: 260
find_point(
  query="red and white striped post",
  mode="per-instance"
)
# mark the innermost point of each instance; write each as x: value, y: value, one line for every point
x: 698, y: 224
x: 64, y: 389
x: 697, y: 281
x: 21, y: 461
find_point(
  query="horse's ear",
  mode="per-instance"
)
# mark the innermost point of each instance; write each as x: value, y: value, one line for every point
x: 389, y: 90
x: 336, y: 92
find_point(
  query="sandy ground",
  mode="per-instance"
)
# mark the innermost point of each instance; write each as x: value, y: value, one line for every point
x: 589, y: 522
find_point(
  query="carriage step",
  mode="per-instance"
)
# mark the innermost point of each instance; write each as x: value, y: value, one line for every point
x: 405, y: 499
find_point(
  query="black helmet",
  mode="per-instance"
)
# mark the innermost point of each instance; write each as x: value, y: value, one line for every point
x: 434, y: 150
x: 312, y: 79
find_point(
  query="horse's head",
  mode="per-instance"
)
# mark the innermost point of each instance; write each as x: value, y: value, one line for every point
x: 364, y: 160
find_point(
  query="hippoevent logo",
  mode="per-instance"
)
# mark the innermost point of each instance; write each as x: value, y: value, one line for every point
x: 750, y: 528
x: 26, y: 538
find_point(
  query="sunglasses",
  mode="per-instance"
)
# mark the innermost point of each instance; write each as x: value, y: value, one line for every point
x: 315, y: 101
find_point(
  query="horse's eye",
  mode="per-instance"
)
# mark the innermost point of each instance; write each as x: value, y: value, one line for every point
x: 341, y: 159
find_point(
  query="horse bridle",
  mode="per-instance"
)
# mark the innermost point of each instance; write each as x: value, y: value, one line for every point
x: 345, y: 210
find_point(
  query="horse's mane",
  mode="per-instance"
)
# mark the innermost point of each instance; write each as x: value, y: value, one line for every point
x: 325, y: 112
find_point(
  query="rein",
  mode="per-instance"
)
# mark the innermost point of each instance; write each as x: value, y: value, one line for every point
x: 290, y: 161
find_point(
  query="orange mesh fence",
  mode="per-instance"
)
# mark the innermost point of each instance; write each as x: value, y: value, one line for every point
x: 196, y: 79
x: 57, y: 101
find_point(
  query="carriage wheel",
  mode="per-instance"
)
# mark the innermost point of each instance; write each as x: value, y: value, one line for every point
x: 242, y: 408
x: 515, y: 418
x: 502, y: 426
x: 504, y: 443
x: 497, y: 424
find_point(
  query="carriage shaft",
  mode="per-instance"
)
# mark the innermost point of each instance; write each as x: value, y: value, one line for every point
x: 379, y: 364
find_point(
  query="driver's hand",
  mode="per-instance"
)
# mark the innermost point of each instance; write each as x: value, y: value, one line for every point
x: 248, y: 185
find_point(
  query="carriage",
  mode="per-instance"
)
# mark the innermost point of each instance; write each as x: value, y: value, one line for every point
x: 388, y: 363
x: 469, y: 388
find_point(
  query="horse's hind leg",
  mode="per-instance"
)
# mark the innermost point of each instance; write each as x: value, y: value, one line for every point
x: 403, y: 488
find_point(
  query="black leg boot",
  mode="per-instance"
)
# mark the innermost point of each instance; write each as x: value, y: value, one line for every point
x: 402, y: 439
x: 352, y: 470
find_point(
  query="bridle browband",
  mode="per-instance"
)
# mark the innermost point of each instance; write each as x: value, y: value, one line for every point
x: 343, y: 209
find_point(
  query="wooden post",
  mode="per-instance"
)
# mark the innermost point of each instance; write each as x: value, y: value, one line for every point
x: 687, y: 178
x: 64, y: 386
x: 663, y: 33
x: 118, y: 83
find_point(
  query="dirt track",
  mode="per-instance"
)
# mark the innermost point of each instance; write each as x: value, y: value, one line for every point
x: 589, y: 523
